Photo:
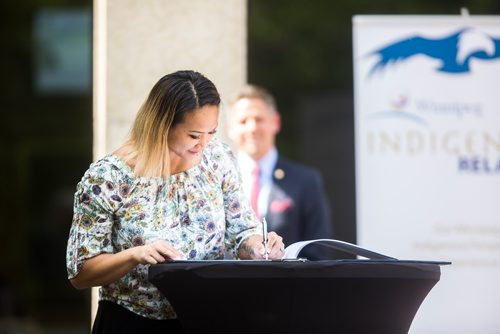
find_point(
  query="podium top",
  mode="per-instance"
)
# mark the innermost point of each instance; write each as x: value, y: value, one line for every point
x: 301, y: 268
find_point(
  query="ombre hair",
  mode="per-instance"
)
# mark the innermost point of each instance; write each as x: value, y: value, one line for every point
x: 170, y: 99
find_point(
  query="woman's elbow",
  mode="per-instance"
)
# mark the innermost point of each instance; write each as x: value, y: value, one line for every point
x: 77, y: 283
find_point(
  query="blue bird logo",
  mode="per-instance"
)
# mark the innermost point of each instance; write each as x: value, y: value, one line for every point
x: 454, y: 51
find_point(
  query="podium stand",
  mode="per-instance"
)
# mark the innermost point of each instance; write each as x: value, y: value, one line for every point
x: 332, y: 296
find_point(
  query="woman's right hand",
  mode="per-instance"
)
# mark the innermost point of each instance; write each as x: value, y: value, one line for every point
x: 104, y: 269
x: 156, y: 252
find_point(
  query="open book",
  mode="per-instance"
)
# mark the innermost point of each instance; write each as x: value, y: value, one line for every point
x: 292, y: 251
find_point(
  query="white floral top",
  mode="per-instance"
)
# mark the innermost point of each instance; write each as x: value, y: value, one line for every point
x: 201, y: 211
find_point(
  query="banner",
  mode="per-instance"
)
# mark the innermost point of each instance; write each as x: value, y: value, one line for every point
x: 427, y: 127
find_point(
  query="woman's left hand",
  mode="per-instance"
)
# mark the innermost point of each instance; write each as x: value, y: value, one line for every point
x: 253, y: 247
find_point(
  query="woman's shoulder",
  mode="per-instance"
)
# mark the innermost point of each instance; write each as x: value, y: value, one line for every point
x: 217, y: 156
x: 218, y: 150
x: 108, y: 168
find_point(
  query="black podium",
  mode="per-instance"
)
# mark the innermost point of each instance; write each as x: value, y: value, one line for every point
x: 332, y: 296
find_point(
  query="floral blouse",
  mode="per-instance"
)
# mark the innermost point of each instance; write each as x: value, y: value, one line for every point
x: 202, y: 212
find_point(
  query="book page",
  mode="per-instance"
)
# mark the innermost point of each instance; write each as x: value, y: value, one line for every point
x: 292, y: 251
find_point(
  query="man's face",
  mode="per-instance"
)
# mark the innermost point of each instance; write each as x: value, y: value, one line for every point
x: 253, y: 126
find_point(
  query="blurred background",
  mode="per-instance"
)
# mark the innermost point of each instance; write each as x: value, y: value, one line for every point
x: 301, y: 51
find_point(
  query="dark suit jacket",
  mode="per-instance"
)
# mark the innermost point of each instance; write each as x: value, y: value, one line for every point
x: 298, y: 208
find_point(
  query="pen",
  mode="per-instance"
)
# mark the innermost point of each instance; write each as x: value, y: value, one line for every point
x: 264, y: 236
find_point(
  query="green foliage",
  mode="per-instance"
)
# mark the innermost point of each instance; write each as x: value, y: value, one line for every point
x: 299, y: 48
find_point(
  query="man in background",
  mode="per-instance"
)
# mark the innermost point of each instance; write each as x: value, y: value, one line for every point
x: 289, y: 195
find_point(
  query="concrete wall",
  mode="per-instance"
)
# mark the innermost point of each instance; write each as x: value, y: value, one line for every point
x: 136, y: 42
